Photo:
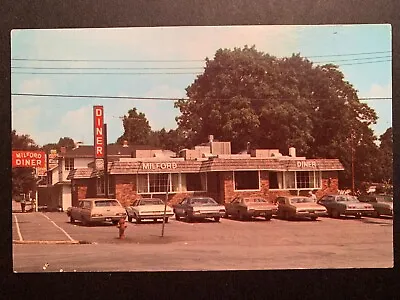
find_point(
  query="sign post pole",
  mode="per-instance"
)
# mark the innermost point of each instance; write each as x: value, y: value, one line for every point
x: 165, y: 206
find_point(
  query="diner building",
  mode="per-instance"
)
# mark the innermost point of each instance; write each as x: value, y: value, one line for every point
x: 209, y: 169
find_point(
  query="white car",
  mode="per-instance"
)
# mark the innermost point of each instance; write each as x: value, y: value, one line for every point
x: 96, y: 210
x: 148, y: 208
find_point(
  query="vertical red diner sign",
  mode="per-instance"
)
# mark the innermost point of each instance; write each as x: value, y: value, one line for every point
x: 98, y: 118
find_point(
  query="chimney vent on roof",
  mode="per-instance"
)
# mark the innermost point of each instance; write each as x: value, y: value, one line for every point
x: 125, y: 144
x: 292, y: 152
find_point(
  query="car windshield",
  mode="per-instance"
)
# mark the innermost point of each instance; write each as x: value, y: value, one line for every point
x: 385, y: 198
x: 151, y: 202
x: 101, y: 203
x: 346, y: 198
x: 202, y: 201
x: 254, y: 200
x: 301, y: 200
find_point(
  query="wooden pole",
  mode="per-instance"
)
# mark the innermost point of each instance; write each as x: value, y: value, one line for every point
x: 165, y: 206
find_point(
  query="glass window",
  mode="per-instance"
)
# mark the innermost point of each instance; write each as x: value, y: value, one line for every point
x: 295, y: 180
x: 247, y: 180
x: 69, y: 163
x: 142, y: 183
x: 290, y: 180
x: 158, y: 183
x: 276, y: 180
x: 100, y: 186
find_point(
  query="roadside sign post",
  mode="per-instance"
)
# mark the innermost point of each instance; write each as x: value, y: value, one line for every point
x: 165, y: 206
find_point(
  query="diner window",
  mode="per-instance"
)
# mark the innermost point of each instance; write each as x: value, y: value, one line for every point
x: 69, y: 164
x: 158, y: 183
x: 295, y: 180
x: 100, y: 186
x: 246, y: 180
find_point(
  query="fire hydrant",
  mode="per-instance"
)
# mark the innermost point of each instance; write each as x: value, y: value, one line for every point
x: 122, y: 226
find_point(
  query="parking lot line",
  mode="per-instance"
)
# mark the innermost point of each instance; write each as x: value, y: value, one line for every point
x: 17, y: 225
x: 68, y: 236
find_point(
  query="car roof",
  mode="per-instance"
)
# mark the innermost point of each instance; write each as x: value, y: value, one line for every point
x: 98, y: 199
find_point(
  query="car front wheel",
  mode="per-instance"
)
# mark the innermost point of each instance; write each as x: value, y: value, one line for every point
x: 313, y: 218
x: 216, y: 219
x: 71, y: 219
x: 129, y: 219
x: 268, y: 217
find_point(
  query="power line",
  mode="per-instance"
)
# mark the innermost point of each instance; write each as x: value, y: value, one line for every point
x: 156, y: 73
x: 103, y: 68
x: 157, y: 98
x: 168, y: 68
x: 104, y: 73
x: 176, y: 60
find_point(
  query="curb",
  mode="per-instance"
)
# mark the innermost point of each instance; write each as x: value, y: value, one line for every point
x: 51, y: 242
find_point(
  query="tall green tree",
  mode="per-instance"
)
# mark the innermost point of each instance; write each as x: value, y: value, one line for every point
x: 23, y: 179
x: 136, y: 128
x: 245, y: 95
x: 170, y: 140
x: 386, y: 153
x: 66, y: 142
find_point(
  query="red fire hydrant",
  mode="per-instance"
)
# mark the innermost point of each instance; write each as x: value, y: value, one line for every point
x: 122, y: 226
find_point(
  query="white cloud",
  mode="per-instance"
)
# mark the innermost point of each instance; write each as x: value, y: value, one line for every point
x: 24, y: 120
x: 377, y: 90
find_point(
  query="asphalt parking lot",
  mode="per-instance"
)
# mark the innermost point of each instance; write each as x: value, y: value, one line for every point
x: 347, y: 242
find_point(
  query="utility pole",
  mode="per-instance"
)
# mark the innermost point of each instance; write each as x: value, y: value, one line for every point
x: 352, y: 163
x: 105, y: 160
x: 165, y: 205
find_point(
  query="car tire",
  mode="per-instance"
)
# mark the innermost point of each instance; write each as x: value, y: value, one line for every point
x: 242, y: 217
x: 177, y: 217
x: 129, y: 219
x: 286, y: 215
x: 335, y: 214
x: 375, y: 214
x: 188, y: 218
x: 137, y: 219
x: 268, y: 217
x: 115, y: 222
x: 216, y: 219
x: 71, y: 219
x: 166, y: 220
x: 358, y: 216
x: 314, y: 218
x: 226, y: 215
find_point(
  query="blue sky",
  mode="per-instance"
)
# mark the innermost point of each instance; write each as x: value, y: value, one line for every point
x: 47, y: 119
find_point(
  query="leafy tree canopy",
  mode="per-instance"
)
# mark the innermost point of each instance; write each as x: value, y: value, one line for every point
x: 136, y: 128
x: 245, y: 95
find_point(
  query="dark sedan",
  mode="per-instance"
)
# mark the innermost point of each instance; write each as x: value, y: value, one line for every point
x: 338, y: 205
x: 383, y: 204
x: 192, y: 208
x: 249, y: 207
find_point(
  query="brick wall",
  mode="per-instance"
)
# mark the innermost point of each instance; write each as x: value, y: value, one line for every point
x: 82, y: 190
x: 229, y: 192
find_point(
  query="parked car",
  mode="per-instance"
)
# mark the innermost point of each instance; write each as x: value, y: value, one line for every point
x: 338, y: 205
x: 96, y: 210
x: 148, y: 208
x: 299, y: 207
x: 249, y: 207
x: 192, y: 208
x: 382, y: 204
